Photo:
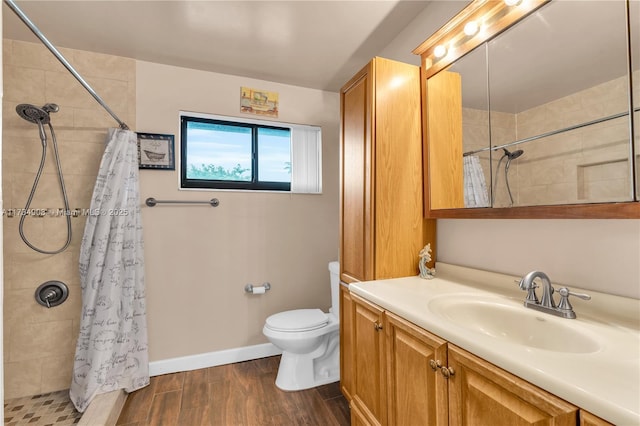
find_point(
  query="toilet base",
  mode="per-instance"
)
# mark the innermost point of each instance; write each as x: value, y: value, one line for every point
x: 321, y: 367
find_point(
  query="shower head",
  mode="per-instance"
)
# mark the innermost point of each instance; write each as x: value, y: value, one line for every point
x: 36, y: 115
x: 512, y: 155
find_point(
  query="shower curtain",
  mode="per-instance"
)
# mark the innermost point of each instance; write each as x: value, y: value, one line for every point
x: 111, y: 352
x: 475, y: 187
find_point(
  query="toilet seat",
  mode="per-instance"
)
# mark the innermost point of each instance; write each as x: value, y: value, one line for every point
x: 298, y: 320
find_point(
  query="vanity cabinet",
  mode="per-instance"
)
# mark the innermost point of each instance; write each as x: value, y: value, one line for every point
x: 382, y: 228
x: 404, y: 375
x: 481, y: 393
x: 369, y: 372
x: 417, y: 395
x: 588, y: 419
x: 346, y: 342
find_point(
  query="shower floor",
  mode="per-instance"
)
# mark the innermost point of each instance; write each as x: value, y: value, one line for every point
x: 49, y: 409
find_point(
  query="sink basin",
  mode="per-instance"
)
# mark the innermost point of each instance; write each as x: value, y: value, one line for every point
x: 514, y: 323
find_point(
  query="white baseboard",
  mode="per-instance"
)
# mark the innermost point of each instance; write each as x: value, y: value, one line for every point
x: 211, y: 359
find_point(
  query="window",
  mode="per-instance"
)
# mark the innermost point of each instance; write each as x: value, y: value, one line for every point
x: 230, y: 153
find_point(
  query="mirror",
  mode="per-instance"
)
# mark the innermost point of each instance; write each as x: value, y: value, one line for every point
x: 634, y: 24
x: 535, y: 117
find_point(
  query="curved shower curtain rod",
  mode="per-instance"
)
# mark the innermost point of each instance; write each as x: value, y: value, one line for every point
x: 63, y: 60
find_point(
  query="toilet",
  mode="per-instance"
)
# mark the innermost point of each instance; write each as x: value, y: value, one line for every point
x: 310, y: 342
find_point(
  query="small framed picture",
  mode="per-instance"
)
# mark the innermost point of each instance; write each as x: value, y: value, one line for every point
x: 156, y: 151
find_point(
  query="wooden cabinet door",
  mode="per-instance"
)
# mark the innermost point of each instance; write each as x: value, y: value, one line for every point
x: 483, y: 394
x: 357, y: 418
x: 417, y: 393
x: 588, y: 419
x: 346, y: 342
x: 356, y: 216
x: 400, y: 228
x: 369, y: 346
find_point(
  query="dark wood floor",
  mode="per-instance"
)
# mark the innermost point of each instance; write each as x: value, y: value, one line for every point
x: 236, y: 394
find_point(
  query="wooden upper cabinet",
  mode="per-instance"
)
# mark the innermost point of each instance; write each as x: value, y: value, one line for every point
x: 444, y: 122
x: 382, y: 228
x: 417, y: 393
x: 483, y: 394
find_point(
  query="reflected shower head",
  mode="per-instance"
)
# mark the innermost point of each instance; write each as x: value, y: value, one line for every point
x: 512, y: 155
x: 36, y: 115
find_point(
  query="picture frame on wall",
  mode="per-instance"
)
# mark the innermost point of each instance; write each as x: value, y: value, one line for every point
x: 156, y: 151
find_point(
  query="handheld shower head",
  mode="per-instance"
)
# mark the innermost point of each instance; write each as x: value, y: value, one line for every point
x: 33, y: 114
x: 512, y: 155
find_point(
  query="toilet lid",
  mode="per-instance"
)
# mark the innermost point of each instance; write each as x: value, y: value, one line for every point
x: 298, y: 320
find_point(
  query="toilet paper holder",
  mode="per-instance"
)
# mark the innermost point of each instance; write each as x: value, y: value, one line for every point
x: 250, y: 288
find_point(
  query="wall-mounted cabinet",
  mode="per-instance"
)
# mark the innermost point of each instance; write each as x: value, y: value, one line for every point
x: 532, y: 112
x: 382, y: 228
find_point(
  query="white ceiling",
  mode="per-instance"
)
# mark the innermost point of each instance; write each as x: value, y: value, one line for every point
x: 316, y: 44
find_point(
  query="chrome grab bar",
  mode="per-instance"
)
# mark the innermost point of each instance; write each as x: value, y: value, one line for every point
x: 152, y: 202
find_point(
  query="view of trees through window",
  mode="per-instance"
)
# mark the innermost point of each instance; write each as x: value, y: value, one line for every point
x: 235, y: 154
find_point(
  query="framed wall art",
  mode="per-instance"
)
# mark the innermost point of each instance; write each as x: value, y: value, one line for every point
x: 156, y: 151
x: 259, y: 102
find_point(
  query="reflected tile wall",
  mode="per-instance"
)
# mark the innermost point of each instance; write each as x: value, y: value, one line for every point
x: 590, y: 164
x: 39, y: 343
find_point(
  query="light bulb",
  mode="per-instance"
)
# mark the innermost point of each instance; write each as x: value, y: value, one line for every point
x: 471, y: 28
x: 439, y: 51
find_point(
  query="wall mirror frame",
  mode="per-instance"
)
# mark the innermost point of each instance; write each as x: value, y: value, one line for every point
x: 497, y: 15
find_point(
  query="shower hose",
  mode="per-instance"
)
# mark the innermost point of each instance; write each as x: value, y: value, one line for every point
x: 67, y: 213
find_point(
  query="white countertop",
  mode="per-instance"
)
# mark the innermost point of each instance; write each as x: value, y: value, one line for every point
x: 605, y: 381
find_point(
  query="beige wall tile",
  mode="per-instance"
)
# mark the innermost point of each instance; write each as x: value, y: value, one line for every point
x: 41, y: 340
x: 24, y: 85
x: 91, y: 64
x: 22, y: 378
x: 37, y: 56
x: 57, y: 373
x: 62, y: 85
x: 35, y: 335
x: 30, y: 269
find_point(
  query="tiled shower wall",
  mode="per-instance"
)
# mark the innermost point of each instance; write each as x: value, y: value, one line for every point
x: 39, y: 343
x: 585, y: 165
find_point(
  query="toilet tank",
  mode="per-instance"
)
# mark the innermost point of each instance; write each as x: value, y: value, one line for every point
x: 334, y: 275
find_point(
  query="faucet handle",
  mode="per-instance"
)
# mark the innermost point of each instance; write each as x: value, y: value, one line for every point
x: 532, y: 297
x: 564, y: 298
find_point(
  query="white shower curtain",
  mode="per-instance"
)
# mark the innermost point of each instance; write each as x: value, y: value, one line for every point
x: 111, y: 351
x: 475, y: 187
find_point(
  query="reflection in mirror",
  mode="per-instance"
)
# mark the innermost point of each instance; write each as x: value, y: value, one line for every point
x: 475, y: 127
x: 561, y: 93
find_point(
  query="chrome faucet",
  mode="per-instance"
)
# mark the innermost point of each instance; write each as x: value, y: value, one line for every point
x: 547, y: 304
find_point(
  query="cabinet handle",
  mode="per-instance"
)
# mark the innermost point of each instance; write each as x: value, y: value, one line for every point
x: 447, y: 372
x: 377, y: 325
x: 435, y: 365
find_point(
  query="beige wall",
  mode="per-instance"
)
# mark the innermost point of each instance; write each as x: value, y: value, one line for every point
x: 198, y: 258
x: 40, y: 342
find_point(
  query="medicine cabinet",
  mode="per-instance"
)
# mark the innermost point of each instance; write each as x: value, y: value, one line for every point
x: 531, y: 110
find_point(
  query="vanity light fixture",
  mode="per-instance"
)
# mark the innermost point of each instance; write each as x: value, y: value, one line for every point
x: 512, y: 2
x: 471, y: 28
x: 439, y: 51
